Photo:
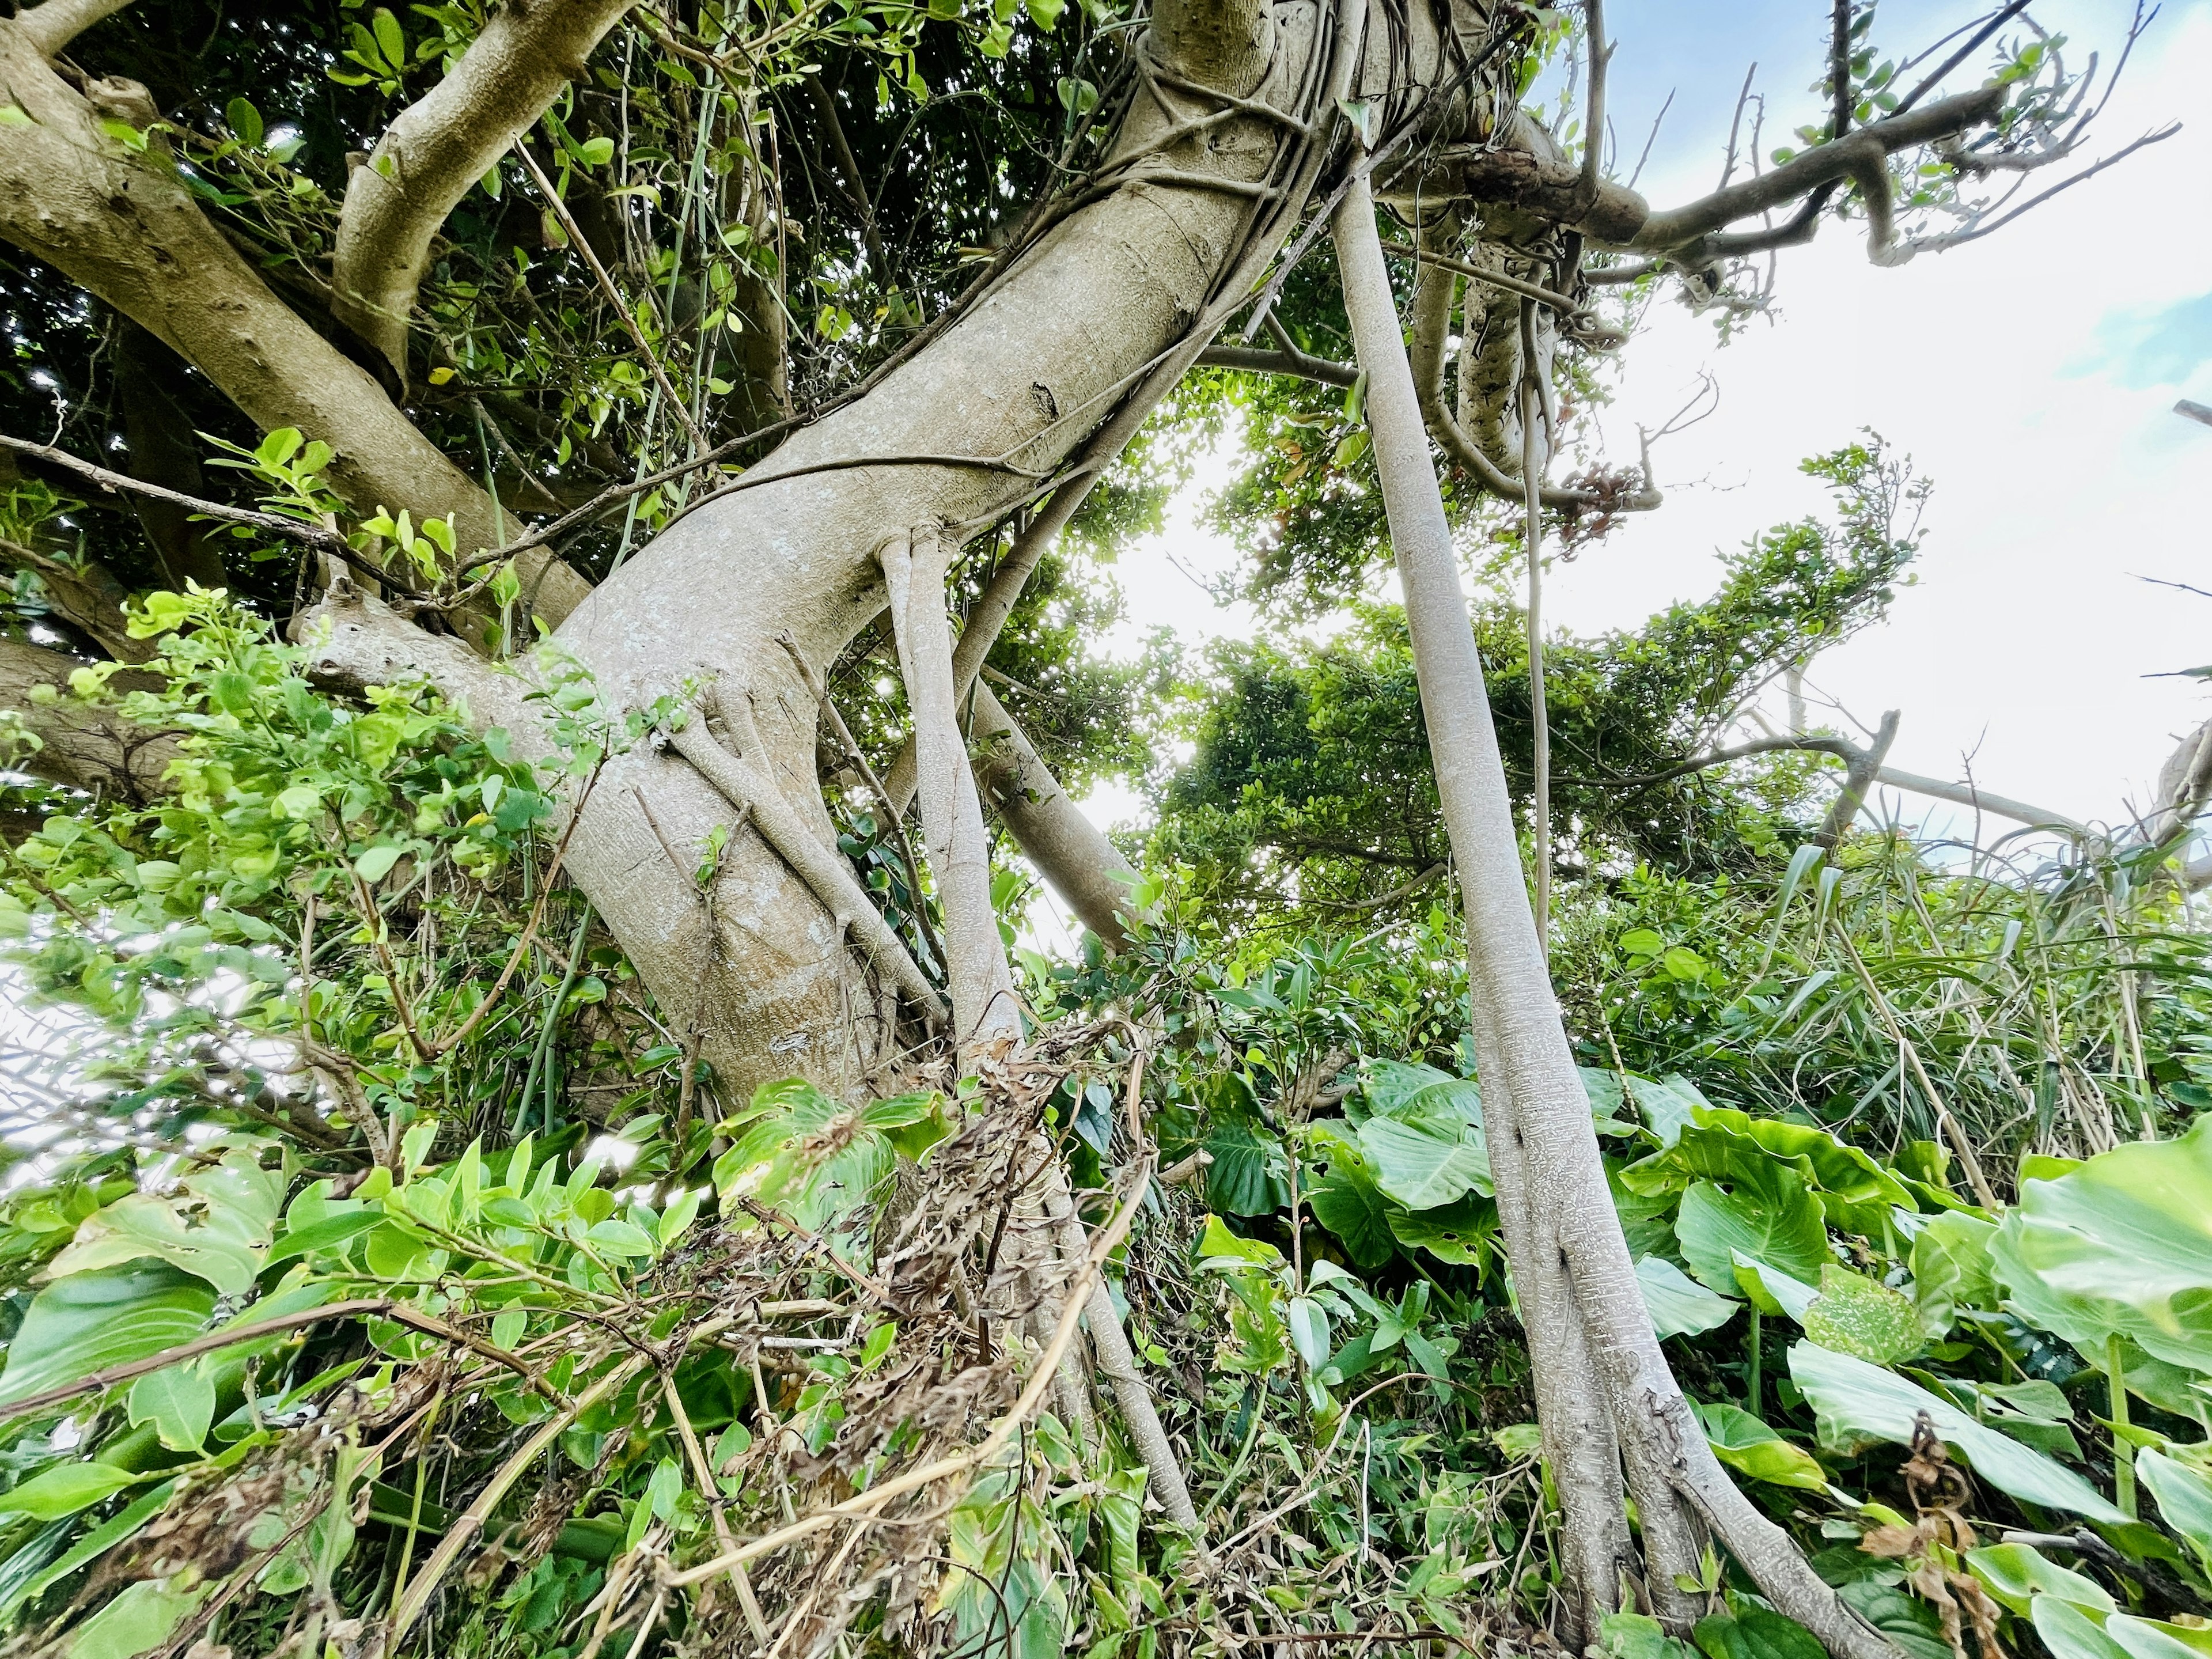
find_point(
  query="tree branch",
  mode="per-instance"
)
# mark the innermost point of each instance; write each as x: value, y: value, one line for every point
x: 52, y: 25
x: 1254, y: 361
x: 440, y: 146
x: 1677, y: 232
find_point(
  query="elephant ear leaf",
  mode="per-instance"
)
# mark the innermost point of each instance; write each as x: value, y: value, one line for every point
x: 1771, y: 1217
x: 1856, y: 1315
x: 87, y: 1322
x: 2119, y: 1246
x: 218, y: 1226
x: 2184, y: 1498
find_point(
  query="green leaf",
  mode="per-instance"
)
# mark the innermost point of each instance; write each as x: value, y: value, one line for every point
x: 1912, y: 1625
x: 178, y: 1401
x: 88, y: 1322
x: 1308, y: 1323
x: 134, y: 1622
x: 2014, y: 1574
x: 1249, y: 1174
x: 1459, y: 1233
x: 1856, y: 1315
x: 1421, y: 1168
x: 1223, y: 1251
x: 2151, y: 1638
x: 619, y: 1238
x: 1951, y: 1268
x: 244, y: 120
x: 2185, y: 1500
x: 95, y: 1543
x: 218, y: 1226
x: 64, y: 1488
x: 2070, y: 1633
x: 1858, y: 1405
x: 1756, y: 1633
x: 1772, y: 1219
x: 2122, y: 1245
x: 1679, y: 1305
x: 507, y: 1326
x: 1743, y: 1442
x: 327, y: 1234
x: 1347, y: 1200
x: 679, y: 1215
x: 374, y: 865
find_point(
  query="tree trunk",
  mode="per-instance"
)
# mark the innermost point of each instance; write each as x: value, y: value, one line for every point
x: 1577, y: 1286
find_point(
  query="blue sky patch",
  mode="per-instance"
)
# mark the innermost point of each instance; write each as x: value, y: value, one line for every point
x: 2140, y: 348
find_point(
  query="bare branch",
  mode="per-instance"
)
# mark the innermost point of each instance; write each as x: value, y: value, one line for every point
x: 52, y: 25
x: 1254, y: 361
x: 440, y: 146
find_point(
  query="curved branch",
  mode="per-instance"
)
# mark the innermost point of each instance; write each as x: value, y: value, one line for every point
x: 1678, y: 231
x: 1254, y: 361
x: 440, y: 146
x: 55, y: 24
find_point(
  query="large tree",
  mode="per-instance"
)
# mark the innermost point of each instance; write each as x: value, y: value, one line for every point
x: 722, y: 347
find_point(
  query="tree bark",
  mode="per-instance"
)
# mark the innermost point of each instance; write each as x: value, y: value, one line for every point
x: 1523, y: 1060
x: 121, y: 225
x: 437, y: 148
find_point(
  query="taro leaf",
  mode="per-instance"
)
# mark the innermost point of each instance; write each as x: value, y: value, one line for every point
x: 1743, y: 1442
x: 1756, y: 1633
x: 2070, y: 1633
x: 1308, y: 1323
x: 1951, y: 1268
x: 1459, y: 1233
x: 2185, y: 1500
x: 1250, y: 1175
x: 64, y: 1488
x: 1679, y: 1305
x: 1770, y: 1217
x: 1858, y: 1405
x: 1836, y: 1169
x: 136, y: 1622
x: 178, y: 1401
x: 2014, y: 1574
x: 2122, y: 1245
x: 1421, y: 1167
x: 2151, y: 1638
x: 1346, y: 1199
x: 1408, y: 1092
x: 1669, y: 1106
x: 1770, y: 1290
x: 88, y: 1322
x: 1637, y: 1636
x: 1856, y: 1315
x: 1911, y: 1624
x: 218, y: 1226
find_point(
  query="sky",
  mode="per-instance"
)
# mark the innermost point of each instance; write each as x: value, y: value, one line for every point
x: 2030, y: 375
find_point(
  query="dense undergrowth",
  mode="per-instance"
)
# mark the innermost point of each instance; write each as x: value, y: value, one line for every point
x: 557, y: 1351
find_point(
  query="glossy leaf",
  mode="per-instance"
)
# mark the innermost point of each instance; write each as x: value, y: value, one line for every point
x: 1858, y: 1316
x: 89, y: 1321
x: 1773, y: 1219
x: 1744, y: 1443
x: 1679, y: 1305
x: 1859, y: 1405
x: 2184, y: 1498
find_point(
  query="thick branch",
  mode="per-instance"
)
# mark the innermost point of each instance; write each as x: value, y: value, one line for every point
x: 1070, y: 852
x: 440, y: 146
x: 55, y: 24
x: 1254, y: 361
x: 84, y: 746
x: 984, y: 1008
x: 1677, y: 231
x: 121, y: 224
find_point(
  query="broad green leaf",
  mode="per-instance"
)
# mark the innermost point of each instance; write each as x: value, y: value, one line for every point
x: 2070, y: 1633
x: 218, y: 1226
x: 178, y: 1401
x: 2184, y: 1498
x: 1743, y: 1442
x: 95, y: 1543
x: 328, y: 1233
x: 1223, y: 1251
x: 1637, y: 1636
x: 619, y: 1238
x: 1951, y: 1268
x: 679, y: 1215
x: 1250, y: 1172
x: 136, y: 1621
x: 64, y: 1488
x: 1670, y: 1105
x: 1679, y: 1305
x: 1458, y: 1232
x: 1770, y: 1290
x: 1351, y: 1206
x: 2152, y: 1638
x: 1911, y: 1624
x: 1421, y: 1168
x: 1756, y: 1633
x: 89, y: 1321
x: 2122, y: 1245
x: 507, y: 1326
x: 1401, y: 1089
x: 1858, y: 1405
x: 1772, y: 1219
x: 1858, y: 1316
x: 2014, y: 1574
